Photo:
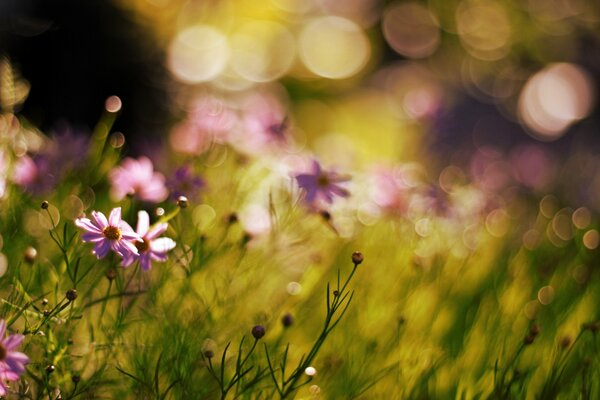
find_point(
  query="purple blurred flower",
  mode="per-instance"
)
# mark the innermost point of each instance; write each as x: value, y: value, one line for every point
x: 12, y: 363
x: 151, y: 247
x: 35, y: 174
x: 137, y: 178
x: 185, y: 183
x: 106, y: 234
x: 39, y: 173
x: 321, y: 185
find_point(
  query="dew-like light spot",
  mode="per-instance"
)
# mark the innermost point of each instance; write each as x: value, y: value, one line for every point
x: 423, y: 227
x: 411, y: 30
x: 310, y: 371
x: 555, y: 98
x: 548, y: 206
x: 561, y: 224
x: 497, y: 223
x: 198, y: 54
x: 591, y: 239
x: 546, y: 295
x: 72, y: 207
x: 255, y: 219
x: 294, y: 288
x: 582, y: 218
x: 113, y: 104
x: 333, y: 47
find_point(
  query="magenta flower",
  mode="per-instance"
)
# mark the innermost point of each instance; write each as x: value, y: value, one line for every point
x: 321, y: 185
x: 12, y: 363
x: 151, y: 247
x: 137, y: 178
x: 106, y: 234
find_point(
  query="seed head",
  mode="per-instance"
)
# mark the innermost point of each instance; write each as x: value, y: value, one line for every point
x: 357, y: 257
x: 45, y: 205
x: 287, y: 320
x: 209, y: 353
x: 336, y: 293
x: 76, y: 378
x: 30, y: 255
x: 71, y: 294
x: 258, y: 331
x: 182, y: 202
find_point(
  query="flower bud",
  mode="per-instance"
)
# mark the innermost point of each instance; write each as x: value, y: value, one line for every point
x: 45, y: 205
x: 182, y: 202
x: 357, y: 257
x: 287, y: 320
x: 71, y: 294
x: 258, y: 332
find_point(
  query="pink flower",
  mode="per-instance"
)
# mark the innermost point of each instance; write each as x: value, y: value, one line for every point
x: 137, y: 177
x: 151, y: 247
x: 321, y: 185
x: 109, y: 234
x: 12, y: 363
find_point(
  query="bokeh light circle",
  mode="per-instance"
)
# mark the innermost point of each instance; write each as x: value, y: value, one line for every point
x: 333, y: 47
x: 555, y: 98
x: 262, y: 51
x: 198, y: 54
x: 411, y: 30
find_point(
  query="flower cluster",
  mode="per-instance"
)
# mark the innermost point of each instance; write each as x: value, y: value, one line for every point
x: 117, y: 235
x: 12, y: 363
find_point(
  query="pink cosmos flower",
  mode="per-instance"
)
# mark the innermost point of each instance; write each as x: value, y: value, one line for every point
x: 106, y: 234
x: 321, y: 185
x: 151, y: 247
x: 137, y: 177
x: 12, y: 363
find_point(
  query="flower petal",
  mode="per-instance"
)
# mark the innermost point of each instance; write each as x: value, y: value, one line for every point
x: 87, y: 224
x: 13, y: 341
x: 114, y: 219
x: 101, y: 249
x: 92, y: 237
x: 101, y: 221
x: 162, y: 245
x: 143, y: 223
x: 156, y: 231
x: 2, y: 329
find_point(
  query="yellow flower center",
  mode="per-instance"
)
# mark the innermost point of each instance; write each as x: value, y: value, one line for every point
x: 323, y: 181
x: 142, y: 246
x: 112, y: 233
x: 3, y: 352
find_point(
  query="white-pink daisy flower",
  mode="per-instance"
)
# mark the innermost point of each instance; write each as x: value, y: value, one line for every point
x: 151, y: 247
x: 106, y: 234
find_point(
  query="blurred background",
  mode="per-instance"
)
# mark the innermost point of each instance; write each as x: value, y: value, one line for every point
x: 504, y: 91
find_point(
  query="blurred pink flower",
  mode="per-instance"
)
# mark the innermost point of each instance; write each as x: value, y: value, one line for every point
x: 106, y: 234
x: 320, y: 185
x: 12, y: 363
x: 151, y: 247
x: 137, y: 178
x: 389, y: 192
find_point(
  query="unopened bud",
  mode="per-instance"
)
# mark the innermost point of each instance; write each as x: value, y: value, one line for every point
x: 71, y: 294
x: 258, y: 331
x: 357, y: 257
x: 182, y: 202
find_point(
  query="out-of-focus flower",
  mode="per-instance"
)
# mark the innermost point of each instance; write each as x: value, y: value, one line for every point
x: 185, y: 183
x: 35, y: 174
x: 151, y: 247
x: 264, y: 123
x: 106, y: 234
x: 12, y: 363
x: 39, y: 173
x: 320, y: 185
x: 214, y: 117
x: 389, y: 192
x: 137, y: 178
